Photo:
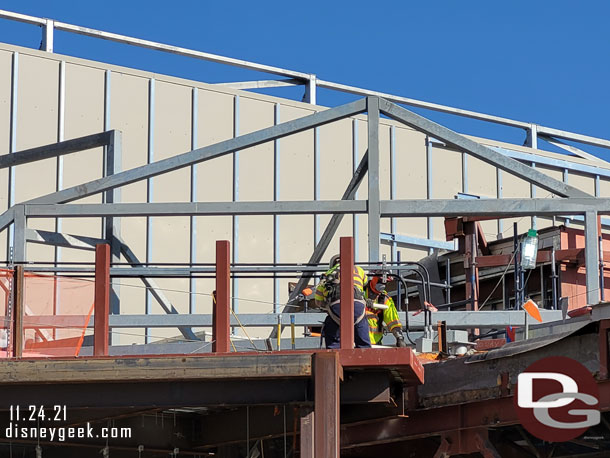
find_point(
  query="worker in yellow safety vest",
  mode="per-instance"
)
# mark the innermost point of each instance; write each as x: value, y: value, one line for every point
x: 328, y: 296
x: 380, y: 309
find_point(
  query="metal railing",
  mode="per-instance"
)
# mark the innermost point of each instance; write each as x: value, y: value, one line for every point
x: 534, y: 131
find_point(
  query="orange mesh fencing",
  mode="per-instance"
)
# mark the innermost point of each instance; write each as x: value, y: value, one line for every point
x: 57, y: 313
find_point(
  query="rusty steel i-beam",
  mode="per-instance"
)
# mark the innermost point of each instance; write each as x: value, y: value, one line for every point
x: 221, y: 321
x: 102, y: 299
x: 347, y: 292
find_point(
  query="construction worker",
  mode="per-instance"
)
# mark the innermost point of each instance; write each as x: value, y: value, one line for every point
x: 328, y: 295
x: 380, y: 309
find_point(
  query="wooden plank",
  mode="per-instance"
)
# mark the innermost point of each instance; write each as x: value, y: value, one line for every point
x: 156, y: 368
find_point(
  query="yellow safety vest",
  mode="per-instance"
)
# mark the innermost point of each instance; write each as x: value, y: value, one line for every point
x: 360, y: 279
x: 376, y: 318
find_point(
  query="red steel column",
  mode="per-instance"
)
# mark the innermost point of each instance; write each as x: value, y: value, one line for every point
x: 221, y: 313
x: 17, y: 339
x: 347, y: 292
x: 102, y: 300
x: 327, y: 371
x: 307, y: 434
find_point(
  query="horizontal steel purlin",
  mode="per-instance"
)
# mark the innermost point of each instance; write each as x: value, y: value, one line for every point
x: 389, y: 208
x: 57, y: 149
x: 454, y: 319
x: 197, y: 208
x: 405, y: 240
x: 185, y: 272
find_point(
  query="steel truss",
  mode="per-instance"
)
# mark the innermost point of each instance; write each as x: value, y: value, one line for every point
x: 54, y: 205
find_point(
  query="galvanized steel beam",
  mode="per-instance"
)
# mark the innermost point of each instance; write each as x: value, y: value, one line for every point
x: 63, y: 240
x: 572, y: 149
x: 479, y: 151
x: 592, y: 258
x: 56, y: 149
x: 407, y: 241
x: 455, y: 319
x: 502, y: 208
x: 374, y: 217
x: 262, y: 84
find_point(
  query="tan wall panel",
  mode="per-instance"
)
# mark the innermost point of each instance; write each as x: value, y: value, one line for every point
x: 481, y: 178
x: 37, y: 118
x: 177, y: 292
x: 446, y: 173
x: 203, y: 295
x: 172, y: 136
x: 209, y: 230
x: 170, y: 239
x: 215, y: 124
x: 345, y: 229
x: 552, y: 172
x: 582, y: 182
x: 411, y: 181
x: 362, y: 148
x: 133, y: 233
x: 255, y: 164
x: 482, y: 182
x: 604, y: 187
x: 410, y: 164
x: 255, y: 238
x: 513, y: 187
x: 84, y: 115
x: 361, y: 250
x: 446, y: 182
x: 335, y: 146
x: 296, y: 159
x: 296, y: 238
x: 36, y: 252
x: 385, y: 162
x: 129, y: 114
x: 5, y: 124
x: 255, y: 296
x: 540, y: 193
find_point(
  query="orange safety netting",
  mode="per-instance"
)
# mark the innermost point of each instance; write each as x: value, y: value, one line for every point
x: 6, y: 276
x: 57, y: 313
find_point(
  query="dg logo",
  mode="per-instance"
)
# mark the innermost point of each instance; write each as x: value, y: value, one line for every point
x: 556, y: 399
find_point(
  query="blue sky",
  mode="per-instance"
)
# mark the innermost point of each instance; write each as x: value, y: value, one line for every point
x: 536, y: 61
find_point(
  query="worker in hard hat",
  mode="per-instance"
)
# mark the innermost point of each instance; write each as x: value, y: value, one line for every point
x: 328, y: 296
x: 380, y: 309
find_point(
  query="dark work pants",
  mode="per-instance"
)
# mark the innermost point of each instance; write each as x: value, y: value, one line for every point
x: 332, y: 332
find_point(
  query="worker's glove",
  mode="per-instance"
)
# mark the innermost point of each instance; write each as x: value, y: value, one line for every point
x: 400, y: 339
x: 369, y: 303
